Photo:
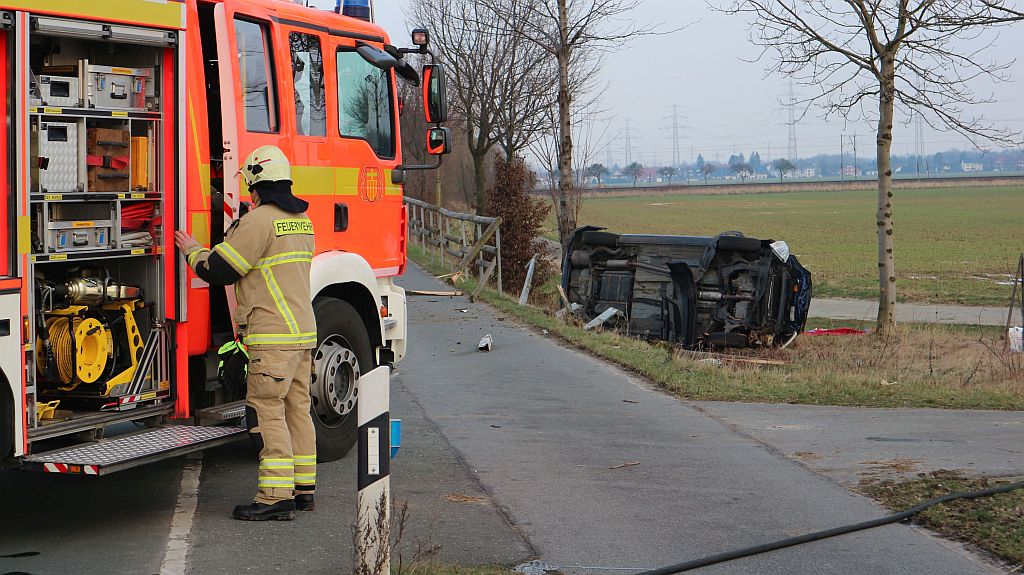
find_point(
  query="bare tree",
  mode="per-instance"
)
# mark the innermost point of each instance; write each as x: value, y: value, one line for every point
x: 906, y: 55
x: 741, y: 169
x: 783, y: 167
x: 669, y: 172
x: 636, y: 169
x: 707, y: 170
x: 575, y: 32
x: 496, y: 75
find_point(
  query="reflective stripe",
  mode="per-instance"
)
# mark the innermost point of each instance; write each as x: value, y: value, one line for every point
x: 276, y: 465
x: 285, y: 258
x: 233, y: 257
x: 280, y: 339
x: 192, y: 257
x: 305, y: 460
x: 284, y: 482
x: 282, y: 306
x: 305, y: 478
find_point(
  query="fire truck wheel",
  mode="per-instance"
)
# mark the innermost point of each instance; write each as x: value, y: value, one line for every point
x: 6, y: 420
x: 342, y: 354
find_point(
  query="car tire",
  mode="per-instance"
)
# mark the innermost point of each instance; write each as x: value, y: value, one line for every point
x: 606, y: 239
x: 738, y: 244
x: 342, y: 340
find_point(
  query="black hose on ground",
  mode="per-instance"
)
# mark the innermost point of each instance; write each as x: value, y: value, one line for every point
x: 800, y: 540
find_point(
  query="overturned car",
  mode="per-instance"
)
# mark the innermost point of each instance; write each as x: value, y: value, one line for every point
x: 698, y: 292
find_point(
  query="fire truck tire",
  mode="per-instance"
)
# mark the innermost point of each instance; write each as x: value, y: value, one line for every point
x: 6, y: 420
x: 343, y: 352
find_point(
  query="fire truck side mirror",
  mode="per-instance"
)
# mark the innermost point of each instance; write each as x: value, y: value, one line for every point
x: 438, y: 141
x: 435, y: 94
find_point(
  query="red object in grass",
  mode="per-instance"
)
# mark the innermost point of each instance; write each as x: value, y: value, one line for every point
x: 836, y: 331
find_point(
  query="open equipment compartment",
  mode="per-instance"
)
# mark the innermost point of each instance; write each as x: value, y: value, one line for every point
x: 100, y: 342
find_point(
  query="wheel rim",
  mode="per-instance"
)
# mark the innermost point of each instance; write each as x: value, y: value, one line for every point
x: 334, y: 385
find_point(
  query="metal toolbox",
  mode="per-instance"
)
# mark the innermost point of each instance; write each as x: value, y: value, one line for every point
x: 54, y: 157
x: 118, y: 88
x: 68, y: 227
x: 59, y: 91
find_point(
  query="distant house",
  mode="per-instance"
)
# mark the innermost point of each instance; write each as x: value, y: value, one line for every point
x: 851, y: 171
x: 972, y: 167
x: 810, y: 172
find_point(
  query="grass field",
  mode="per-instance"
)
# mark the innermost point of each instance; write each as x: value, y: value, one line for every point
x: 952, y: 245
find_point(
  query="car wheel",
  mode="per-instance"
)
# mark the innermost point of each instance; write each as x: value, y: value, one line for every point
x: 342, y: 355
x: 606, y: 239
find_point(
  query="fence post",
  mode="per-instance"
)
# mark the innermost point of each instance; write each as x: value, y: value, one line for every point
x: 497, y: 258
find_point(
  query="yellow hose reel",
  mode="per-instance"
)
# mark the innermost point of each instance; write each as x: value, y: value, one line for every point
x: 93, y: 349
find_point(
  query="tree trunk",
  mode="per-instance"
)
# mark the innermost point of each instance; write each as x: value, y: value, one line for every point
x: 566, y: 211
x: 886, y: 261
x: 480, y: 175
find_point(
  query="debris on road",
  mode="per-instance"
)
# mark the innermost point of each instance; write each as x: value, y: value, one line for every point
x: 625, y: 465
x: 573, y: 308
x: 463, y: 498
x: 535, y: 567
x: 602, y: 319
x: 433, y: 293
x: 629, y: 401
x: 486, y: 343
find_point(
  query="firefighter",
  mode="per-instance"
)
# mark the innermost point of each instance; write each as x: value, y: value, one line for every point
x: 267, y: 254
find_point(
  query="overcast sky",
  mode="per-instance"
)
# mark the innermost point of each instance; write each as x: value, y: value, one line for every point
x: 725, y: 104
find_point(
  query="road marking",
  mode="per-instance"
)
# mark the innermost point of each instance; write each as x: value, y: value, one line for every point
x: 176, y: 554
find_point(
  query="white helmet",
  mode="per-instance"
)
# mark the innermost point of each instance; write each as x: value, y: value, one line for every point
x: 266, y: 164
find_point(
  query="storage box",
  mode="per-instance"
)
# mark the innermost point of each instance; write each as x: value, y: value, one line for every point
x: 68, y: 227
x: 54, y: 157
x: 118, y: 88
x: 59, y: 91
x: 108, y: 159
x: 140, y: 164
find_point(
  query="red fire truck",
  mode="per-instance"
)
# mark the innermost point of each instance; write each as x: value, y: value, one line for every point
x: 126, y: 120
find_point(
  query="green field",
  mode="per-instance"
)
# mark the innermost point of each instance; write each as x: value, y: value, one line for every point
x: 952, y: 245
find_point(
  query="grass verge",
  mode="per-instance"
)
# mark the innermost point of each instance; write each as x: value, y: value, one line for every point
x: 995, y: 524
x: 955, y: 367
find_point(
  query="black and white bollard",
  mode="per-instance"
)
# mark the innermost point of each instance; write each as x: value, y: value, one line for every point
x: 373, y: 517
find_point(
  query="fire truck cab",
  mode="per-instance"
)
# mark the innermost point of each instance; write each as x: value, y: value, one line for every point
x: 127, y: 120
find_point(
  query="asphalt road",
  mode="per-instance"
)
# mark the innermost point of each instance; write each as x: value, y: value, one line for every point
x: 536, y: 451
x: 547, y: 429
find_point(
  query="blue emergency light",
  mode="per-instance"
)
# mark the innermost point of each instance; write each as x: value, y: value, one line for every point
x: 362, y: 9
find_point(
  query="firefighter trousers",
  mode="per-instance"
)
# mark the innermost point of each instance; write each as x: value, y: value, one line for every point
x: 279, y: 422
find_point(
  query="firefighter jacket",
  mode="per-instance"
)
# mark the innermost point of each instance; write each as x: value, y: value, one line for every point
x: 266, y: 254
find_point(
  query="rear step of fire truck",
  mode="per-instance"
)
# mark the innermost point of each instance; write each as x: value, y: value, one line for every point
x: 126, y: 451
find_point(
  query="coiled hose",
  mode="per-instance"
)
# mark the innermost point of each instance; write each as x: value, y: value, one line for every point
x: 79, y: 355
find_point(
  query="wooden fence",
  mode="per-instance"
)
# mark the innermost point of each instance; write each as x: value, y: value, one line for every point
x: 464, y: 242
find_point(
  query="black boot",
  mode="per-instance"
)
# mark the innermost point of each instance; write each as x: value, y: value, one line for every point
x: 280, y: 511
x: 304, y: 503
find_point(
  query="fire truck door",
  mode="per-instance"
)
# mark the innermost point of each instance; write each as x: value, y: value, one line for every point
x: 11, y: 378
